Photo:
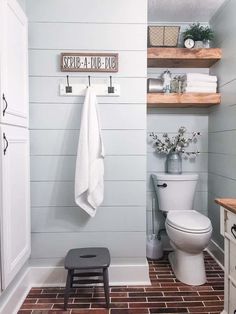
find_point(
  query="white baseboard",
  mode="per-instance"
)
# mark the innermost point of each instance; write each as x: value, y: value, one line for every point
x: 31, y: 276
x: 13, y: 297
x: 120, y: 275
x: 216, y: 252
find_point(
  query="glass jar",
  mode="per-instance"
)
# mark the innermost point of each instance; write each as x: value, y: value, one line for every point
x: 174, y: 163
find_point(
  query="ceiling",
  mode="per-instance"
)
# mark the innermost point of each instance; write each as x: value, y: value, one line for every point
x: 182, y: 10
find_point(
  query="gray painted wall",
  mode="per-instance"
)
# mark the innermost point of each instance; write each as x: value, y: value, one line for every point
x: 57, y: 224
x: 222, y: 119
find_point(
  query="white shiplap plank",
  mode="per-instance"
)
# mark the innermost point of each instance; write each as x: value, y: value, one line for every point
x: 223, y: 165
x: 156, y: 163
x: 214, y: 215
x: 64, y: 142
x: 46, y: 90
x: 223, y: 142
x: 222, y: 187
x: 67, y: 116
x: 47, y: 63
x: 82, y: 36
x: 171, y: 122
x: 62, y: 168
x: 224, y: 22
x: 222, y: 119
x: 116, y: 193
x: 73, y: 219
x: 89, y: 11
x: 120, y: 244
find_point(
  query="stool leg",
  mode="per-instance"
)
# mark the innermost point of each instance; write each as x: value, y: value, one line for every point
x: 67, y: 289
x: 106, y: 286
x: 72, y: 277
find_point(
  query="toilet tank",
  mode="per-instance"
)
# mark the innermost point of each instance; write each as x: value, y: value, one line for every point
x: 175, y: 192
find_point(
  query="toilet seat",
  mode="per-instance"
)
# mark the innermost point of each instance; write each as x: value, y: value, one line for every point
x: 189, y: 221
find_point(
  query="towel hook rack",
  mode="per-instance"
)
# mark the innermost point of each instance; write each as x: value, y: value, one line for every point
x: 111, y: 88
x: 68, y: 87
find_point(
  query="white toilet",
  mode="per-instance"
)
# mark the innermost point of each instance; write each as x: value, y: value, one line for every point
x: 188, y: 230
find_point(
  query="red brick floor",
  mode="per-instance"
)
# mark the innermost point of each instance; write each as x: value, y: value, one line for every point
x: 165, y: 295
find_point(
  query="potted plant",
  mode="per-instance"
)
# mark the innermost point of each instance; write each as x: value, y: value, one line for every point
x: 175, y: 147
x: 202, y: 35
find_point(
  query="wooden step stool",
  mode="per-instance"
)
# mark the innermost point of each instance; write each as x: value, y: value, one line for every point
x: 87, y: 262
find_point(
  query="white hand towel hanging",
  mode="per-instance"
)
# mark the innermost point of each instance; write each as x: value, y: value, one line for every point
x: 89, y: 175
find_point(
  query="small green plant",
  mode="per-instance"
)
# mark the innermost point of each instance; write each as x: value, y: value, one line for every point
x: 198, y: 32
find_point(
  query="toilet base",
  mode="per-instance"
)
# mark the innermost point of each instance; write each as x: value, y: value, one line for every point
x: 188, y: 268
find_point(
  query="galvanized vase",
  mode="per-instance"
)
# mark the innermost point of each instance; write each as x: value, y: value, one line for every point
x: 174, y: 163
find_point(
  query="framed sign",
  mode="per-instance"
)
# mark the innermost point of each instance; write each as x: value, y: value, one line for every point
x: 89, y: 62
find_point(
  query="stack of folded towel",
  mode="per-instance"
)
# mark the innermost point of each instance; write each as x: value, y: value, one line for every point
x: 199, y: 83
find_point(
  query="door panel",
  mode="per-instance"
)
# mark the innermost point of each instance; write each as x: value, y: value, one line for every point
x: 14, y: 64
x: 15, y: 215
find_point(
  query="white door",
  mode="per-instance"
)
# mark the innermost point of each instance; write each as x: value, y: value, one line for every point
x: 13, y: 64
x: 15, y: 213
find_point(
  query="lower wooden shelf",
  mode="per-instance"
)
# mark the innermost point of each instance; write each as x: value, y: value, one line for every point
x: 185, y: 100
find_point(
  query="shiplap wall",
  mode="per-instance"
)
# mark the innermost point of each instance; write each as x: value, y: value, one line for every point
x: 120, y: 223
x: 222, y: 120
x: 169, y: 120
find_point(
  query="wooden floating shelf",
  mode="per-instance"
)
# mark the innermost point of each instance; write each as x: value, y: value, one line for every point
x: 185, y: 100
x: 183, y: 57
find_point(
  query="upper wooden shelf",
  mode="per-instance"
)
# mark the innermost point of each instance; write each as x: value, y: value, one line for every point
x: 186, y: 100
x: 183, y: 57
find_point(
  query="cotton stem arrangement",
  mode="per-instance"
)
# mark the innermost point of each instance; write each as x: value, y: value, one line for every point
x: 178, y: 143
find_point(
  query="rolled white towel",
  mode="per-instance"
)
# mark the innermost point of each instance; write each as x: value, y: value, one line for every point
x: 200, y: 89
x: 200, y: 77
x: 200, y: 84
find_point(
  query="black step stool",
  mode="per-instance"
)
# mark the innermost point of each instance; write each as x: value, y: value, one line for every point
x: 87, y: 262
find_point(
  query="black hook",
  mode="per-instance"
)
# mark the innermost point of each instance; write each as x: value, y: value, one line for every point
x: 111, y: 89
x: 89, y: 80
x: 68, y: 87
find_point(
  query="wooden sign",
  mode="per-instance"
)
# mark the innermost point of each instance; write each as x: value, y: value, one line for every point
x: 89, y: 62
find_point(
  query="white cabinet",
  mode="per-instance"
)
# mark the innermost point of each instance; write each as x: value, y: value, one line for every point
x: 15, y: 215
x: 14, y: 141
x: 13, y: 64
x: 228, y: 230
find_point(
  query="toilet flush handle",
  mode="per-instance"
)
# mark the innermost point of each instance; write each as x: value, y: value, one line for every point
x: 164, y: 185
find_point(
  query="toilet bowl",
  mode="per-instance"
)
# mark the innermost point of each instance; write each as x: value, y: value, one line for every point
x: 189, y: 231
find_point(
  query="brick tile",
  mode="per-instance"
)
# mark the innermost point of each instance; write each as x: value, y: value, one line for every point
x: 209, y: 309
x: 46, y: 306
x: 186, y: 304
x: 50, y: 312
x: 147, y: 305
x: 112, y: 305
x: 32, y: 301
x: 145, y: 294
x: 91, y: 311
x: 71, y: 305
x: 168, y: 310
x: 165, y: 299
x: 129, y: 311
x: 128, y: 300
x: 40, y: 296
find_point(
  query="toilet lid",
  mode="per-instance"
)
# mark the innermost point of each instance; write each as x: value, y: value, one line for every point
x: 188, y: 220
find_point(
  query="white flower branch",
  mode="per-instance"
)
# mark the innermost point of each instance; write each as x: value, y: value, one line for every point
x: 177, y: 143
